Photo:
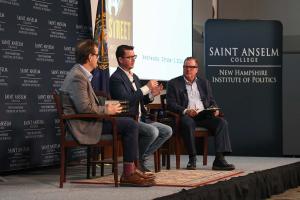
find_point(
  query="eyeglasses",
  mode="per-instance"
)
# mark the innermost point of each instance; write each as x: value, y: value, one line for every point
x: 131, y: 57
x: 95, y: 54
x: 190, y: 66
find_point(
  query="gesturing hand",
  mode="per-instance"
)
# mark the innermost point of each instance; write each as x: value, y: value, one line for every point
x: 152, y: 84
x: 157, y: 90
x: 216, y: 113
x: 112, y: 108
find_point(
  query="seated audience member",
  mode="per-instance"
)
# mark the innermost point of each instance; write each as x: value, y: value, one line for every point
x: 125, y: 85
x: 189, y: 95
x: 80, y: 98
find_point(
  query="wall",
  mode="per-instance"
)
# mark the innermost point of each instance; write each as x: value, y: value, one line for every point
x: 37, y: 50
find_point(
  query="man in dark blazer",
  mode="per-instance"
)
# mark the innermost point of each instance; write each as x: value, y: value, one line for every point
x: 189, y: 96
x: 78, y: 97
x: 125, y: 85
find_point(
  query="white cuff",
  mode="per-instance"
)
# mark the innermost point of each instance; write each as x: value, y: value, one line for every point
x: 145, y: 90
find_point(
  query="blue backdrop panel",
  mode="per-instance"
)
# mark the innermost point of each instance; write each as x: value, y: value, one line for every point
x: 37, y: 41
x: 243, y: 60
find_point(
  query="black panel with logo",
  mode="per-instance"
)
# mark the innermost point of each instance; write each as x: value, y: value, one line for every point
x: 243, y: 61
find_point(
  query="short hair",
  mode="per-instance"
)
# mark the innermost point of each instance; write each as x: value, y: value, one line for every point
x: 190, y: 58
x: 83, y: 49
x: 121, y: 51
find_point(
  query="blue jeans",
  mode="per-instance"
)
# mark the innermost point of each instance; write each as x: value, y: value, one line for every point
x: 151, y: 137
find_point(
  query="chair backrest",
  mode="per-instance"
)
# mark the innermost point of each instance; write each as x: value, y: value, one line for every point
x: 163, y: 98
x: 58, y: 103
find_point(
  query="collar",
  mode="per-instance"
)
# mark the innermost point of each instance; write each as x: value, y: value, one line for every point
x: 87, y: 73
x: 188, y: 82
x: 128, y: 73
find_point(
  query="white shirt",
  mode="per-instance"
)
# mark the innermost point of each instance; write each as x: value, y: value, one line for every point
x: 194, y: 96
x: 87, y: 73
x: 145, y: 89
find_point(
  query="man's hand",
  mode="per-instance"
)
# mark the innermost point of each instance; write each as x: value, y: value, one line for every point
x: 112, y: 109
x: 157, y: 90
x: 191, y: 112
x: 152, y: 84
x: 216, y: 113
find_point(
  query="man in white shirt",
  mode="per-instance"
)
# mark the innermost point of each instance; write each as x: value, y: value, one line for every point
x: 189, y: 95
x: 125, y: 85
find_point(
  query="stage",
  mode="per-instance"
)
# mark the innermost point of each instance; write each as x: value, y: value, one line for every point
x: 43, y: 183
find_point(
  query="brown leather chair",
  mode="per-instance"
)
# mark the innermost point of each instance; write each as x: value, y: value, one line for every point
x: 200, y: 132
x: 67, y: 141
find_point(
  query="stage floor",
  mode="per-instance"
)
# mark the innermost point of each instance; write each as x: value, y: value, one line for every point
x: 43, y: 184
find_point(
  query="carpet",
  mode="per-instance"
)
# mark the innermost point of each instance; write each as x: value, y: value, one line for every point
x: 176, y: 178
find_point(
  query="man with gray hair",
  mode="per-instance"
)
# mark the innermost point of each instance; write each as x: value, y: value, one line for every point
x: 189, y: 96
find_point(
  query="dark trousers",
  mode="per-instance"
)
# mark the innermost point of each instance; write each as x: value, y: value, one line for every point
x: 128, y: 129
x: 216, y: 125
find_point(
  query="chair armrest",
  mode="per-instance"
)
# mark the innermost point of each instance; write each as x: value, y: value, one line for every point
x: 111, y: 118
x: 175, y: 115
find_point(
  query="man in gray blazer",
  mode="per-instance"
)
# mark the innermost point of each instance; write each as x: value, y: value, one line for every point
x: 189, y: 96
x: 78, y: 97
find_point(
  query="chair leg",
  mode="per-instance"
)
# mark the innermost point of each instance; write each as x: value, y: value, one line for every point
x: 62, y: 167
x: 95, y: 153
x: 163, y: 159
x: 65, y: 165
x: 158, y: 160
x: 177, y: 152
x: 115, y: 162
x: 205, y: 147
x: 88, y: 162
x: 102, y: 158
x: 168, y: 161
x: 155, y: 161
x: 168, y: 155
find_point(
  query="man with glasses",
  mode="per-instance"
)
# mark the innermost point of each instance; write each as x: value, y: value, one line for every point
x: 189, y: 96
x: 125, y: 85
x: 79, y: 97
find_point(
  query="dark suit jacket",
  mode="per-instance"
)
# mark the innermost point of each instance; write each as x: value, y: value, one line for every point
x: 177, y: 97
x: 121, y: 89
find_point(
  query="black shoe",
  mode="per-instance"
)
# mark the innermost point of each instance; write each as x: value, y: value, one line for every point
x: 191, y: 164
x: 221, y: 164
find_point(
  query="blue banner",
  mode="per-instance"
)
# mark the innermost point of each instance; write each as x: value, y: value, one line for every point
x: 100, y: 79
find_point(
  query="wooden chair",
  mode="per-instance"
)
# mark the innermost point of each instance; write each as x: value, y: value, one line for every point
x: 66, y: 141
x: 200, y: 132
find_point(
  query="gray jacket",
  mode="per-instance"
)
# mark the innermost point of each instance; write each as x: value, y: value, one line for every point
x: 78, y: 97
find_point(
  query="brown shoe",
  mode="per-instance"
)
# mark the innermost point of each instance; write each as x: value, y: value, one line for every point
x: 135, y: 180
x: 145, y: 175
